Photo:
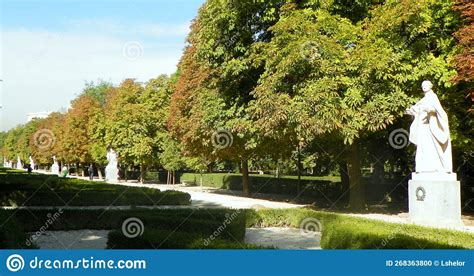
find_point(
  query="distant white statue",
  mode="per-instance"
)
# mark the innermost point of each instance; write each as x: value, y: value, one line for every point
x: 430, y: 133
x: 7, y: 163
x: 111, y: 171
x: 32, y: 162
x: 19, y: 165
x: 55, y: 166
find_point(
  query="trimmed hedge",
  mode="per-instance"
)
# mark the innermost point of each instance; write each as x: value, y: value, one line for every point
x: 94, y: 198
x: 12, y: 235
x: 325, y: 190
x: 347, y: 232
x: 204, y: 221
x: 17, y: 189
x: 315, y: 187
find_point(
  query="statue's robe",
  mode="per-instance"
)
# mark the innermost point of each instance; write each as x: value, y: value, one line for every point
x: 430, y: 133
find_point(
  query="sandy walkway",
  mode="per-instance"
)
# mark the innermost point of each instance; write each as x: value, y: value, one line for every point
x: 283, y: 238
x: 76, y: 239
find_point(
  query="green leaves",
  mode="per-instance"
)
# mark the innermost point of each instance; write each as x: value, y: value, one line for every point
x: 135, y: 120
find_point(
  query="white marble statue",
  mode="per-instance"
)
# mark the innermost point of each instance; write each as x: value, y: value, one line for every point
x: 19, y: 165
x: 32, y: 162
x: 55, y: 166
x: 434, y: 193
x: 111, y: 171
x: 430, y: 133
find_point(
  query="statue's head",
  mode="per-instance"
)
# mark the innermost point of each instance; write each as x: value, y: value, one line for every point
x: 426, y: 86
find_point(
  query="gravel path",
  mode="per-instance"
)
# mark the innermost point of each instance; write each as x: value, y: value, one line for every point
x: 76, y: 239
x: 277, y: 237
x: 283, y: 238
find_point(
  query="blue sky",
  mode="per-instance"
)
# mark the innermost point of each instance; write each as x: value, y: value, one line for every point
x: 49, y: 49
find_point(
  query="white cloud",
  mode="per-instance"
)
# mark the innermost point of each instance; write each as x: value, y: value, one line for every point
x: 111, y: 26
x: 44, y: 70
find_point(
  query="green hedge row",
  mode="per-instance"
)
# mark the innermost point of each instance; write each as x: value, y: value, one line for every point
x: 224, y: 229
x: 347, y: 232
x: 321, y: 188
x: 12, y: 235
x: 205, y: 221
x: 17, y: 189
x: 93, y: 198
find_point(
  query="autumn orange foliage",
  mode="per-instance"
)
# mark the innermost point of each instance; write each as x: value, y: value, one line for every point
x: 464, y: 61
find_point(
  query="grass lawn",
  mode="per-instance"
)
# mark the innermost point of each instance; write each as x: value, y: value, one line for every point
x: 17, y: 188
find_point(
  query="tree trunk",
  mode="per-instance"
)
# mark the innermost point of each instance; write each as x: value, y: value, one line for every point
x: 99, y: 171
x: 298, y: 165
x: 245, y: 177
x: 378, y: 172
x: 174, y: 177
x: 343, y: 172
x: 357, y: 192
x: 142, y: 173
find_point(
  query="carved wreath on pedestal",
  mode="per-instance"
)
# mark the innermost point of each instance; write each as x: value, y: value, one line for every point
x: 420, y: 194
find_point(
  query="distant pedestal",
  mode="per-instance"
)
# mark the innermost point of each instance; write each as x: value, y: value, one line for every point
x: 111, y: 173
x: 55, y: 169
x: 435, y: 200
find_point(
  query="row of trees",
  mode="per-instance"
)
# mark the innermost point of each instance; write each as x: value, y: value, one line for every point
x: 327, y: 79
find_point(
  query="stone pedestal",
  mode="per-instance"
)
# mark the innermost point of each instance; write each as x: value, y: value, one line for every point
x: 435, y: 200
